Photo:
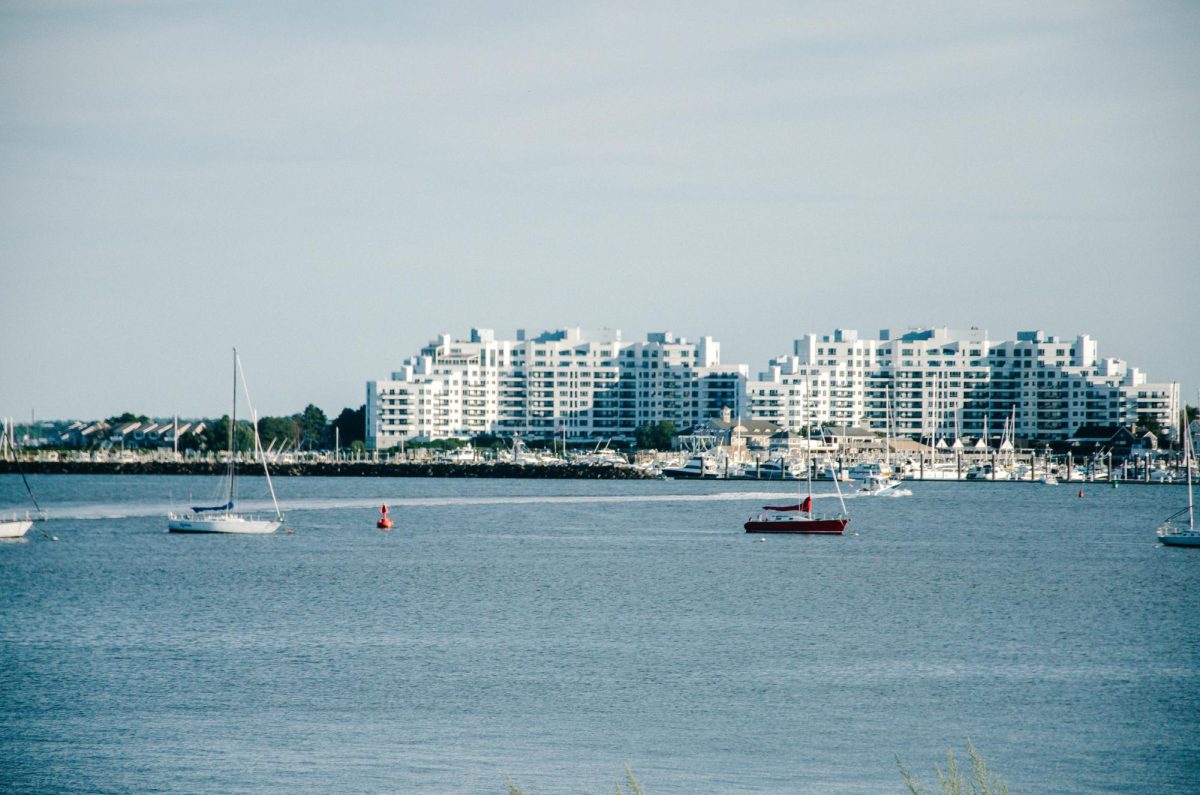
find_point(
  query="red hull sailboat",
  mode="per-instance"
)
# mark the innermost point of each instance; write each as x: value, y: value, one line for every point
x: 798, y: 518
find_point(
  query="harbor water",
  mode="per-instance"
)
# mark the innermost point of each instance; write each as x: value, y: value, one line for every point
x: 554, y: 632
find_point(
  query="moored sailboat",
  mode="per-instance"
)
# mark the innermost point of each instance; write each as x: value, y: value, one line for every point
x: 14, y: 526
x: 797, y: 518
x: 1171, y: 533
x: 223, y: 518
x: 800, y: 517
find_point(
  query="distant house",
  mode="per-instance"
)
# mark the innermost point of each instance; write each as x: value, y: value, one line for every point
x: 788, y: 443
x: 149, y: 434
x: 852, y: 438
x: 1088, y: 440
x: 730, y: 432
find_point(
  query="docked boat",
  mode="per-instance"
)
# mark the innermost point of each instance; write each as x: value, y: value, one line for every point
x: 1173, y: 533
x: 830, y: 470
x: 224, y: 518
x: 698, y: 466
x: 985, y: 471
x: 868, y: 470
x: 776, y: 469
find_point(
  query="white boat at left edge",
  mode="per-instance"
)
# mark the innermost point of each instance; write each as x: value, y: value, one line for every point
x: 14, y: 526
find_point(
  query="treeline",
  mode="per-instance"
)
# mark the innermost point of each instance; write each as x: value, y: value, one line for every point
x: 310, y: 429
x: 649, y: 436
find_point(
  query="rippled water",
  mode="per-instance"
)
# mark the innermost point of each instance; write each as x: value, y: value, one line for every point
x: 556, y: 631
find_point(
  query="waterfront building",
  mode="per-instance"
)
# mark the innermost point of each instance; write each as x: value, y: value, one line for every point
x: 567, y: 382
x: 935, y: 385
x: 938, y: 384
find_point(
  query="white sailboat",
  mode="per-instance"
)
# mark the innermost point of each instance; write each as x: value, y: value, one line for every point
x: 224, y: 518
x: 1172, y: 534
x: 883, y: 480
x: 14, y: 526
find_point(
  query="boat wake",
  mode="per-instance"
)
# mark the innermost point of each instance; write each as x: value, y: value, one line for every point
x: 854, y: 495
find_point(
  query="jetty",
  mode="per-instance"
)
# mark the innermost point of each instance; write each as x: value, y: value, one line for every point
x: 354, y: 469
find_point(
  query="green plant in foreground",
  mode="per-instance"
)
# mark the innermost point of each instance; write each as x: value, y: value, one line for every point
x: 634, y: 787
x: 954, y: 782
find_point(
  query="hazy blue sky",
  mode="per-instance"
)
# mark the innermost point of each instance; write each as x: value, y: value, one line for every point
x: 329, y: 185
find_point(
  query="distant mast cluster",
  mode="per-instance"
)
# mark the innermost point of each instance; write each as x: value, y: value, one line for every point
x: 927, y: 384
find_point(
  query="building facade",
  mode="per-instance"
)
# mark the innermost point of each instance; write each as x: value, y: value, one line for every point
x: 568, y: 382
x: 927, y: 384
x: 940, y: 383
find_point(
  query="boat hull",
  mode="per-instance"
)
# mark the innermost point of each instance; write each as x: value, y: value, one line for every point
x: 827, y: 527
x: 15, y: 528
x: 1180, y: 539
x: 224, y: 524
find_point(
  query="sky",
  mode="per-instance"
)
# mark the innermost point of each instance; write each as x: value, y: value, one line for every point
x: 328, y: 186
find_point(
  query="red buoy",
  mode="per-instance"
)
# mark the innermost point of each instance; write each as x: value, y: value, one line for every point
x: 385, y: 523
x: 1081, y: 494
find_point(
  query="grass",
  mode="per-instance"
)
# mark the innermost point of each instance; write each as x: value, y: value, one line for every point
x: 954, y: 781
x: 634, y: 787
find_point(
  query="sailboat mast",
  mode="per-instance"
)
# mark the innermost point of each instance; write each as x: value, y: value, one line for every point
x: 808, y: 424
x: 232, y: 429
x: 887, y: 430
x: 258, y: 449
x: 1189, y: 455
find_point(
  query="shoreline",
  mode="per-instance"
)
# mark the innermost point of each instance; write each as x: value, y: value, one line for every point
x: 360, y: 469
x: 491, y: 469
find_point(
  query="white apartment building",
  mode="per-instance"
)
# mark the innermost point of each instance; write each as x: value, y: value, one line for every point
x: 569, y: 382
x: 939, y: 383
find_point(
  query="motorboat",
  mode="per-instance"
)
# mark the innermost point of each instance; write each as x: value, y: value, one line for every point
x: 877, y: 486
x: 696, y: 467
x: 867, y: 470
x: 985, y: 471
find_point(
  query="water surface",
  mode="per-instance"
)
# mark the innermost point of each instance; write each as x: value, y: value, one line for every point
x: 555, y: 631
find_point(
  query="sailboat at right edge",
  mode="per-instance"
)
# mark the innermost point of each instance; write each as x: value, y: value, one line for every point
x: 1172, y: 534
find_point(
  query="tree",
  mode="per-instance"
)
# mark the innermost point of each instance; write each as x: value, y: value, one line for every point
x: 351, y: 425
x: 313, y: 425
x: 278, y: 431
x: 1149, y: 422
x: 216, y: 435
x: 127, y: 417
x: 656, y: 436
x: 487, y: 440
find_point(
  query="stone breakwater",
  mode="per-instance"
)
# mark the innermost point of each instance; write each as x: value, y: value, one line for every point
x: 356, y: 469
